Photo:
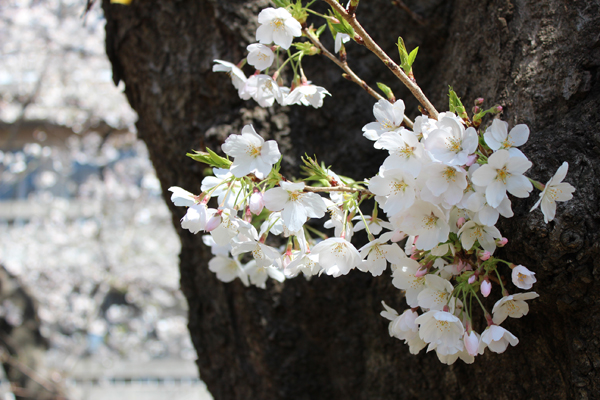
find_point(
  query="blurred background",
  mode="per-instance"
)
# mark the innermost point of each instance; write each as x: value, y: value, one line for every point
x: 90, y: 306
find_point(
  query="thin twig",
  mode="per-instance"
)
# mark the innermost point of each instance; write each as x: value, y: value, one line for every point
x: 350, y: 75
x: 374, y: 47
x: 410, y: 12
x: 337, y: 189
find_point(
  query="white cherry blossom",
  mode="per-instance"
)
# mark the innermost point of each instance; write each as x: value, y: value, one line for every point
x: 395, y: 190
x: 436, y: 294
x: 227, y: 269
x: 522, y: 277
x: 237, y: 75
x: 295, y: 205
x: 513, y: 306
x: 555, y: 190
x: 404, y: 278
x: 337, y: 256
x: 226, y: 193
x: 260, y: 56
x: 450, y: 143
x: 425, y: 220
x: 181, y: 197
x: 446, y: 182
x: 252, y: 154
x: 404, y: 327
x: 277, y: 26
x: 497, y: 339
x: 503, y: 173
x: 473, y: 231
x: 498, y: 137
x: 377, y: 253
x: 307, y: 95
x: 389, y: 118
x: 340, y: 38
x: 405, y: 151
x: 441, y: 329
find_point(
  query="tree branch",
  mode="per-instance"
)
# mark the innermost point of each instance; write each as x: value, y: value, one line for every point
x: 374, y: 47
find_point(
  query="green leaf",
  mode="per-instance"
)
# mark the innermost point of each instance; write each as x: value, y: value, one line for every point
x: 456, y: 106
x: 320, y: 30
x: 210, y: 158
x: 386, y: 90
x: 281, y: 3
x: 343, y: 26
x: 412, y: 56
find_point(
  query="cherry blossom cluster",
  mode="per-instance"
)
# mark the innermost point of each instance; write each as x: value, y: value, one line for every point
x: 442, y: 188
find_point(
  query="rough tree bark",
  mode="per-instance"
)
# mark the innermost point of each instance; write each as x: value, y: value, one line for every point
x: 324, y: 339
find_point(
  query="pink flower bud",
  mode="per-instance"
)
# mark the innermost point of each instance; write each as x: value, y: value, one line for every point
x: 485, y: 256
x: 256, y: 203
x: 486, y: 288
x: 476, y: 110
x: 213, y: 223
x: 499, y: 109
x: 460, y: 222
x: 479, y: 101
x: 471, y: 159
x: 421, y: 272
x: 472, y: 278
x: 502, y: 242
x: 471, y: 343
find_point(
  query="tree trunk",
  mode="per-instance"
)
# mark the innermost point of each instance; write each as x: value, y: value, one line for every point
x: 324, y: 339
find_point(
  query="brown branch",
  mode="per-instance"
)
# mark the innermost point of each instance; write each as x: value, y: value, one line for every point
x: 349, y: 73
x: 410, y: 12
x: 374, y: 47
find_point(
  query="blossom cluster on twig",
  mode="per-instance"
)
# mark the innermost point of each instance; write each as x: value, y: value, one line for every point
x: 442, y: 188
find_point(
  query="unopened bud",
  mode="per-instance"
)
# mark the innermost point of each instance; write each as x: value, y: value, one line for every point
x: 471, y: 343
x: 502, y: 242
x: 471, y: 159
x: 486, y: 288
x: 472, y: 279
x: 485, y: 256
x: 421, y: 272
x: 479, y: 101
x: 460, y: 222
x: 476, y: 110
x: 213, y: 223
x: 499, y: 109
x: 256, y: 203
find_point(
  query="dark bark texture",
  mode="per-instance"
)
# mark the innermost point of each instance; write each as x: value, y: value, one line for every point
x: 324, y: 339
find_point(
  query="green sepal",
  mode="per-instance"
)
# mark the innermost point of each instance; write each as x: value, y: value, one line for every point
x: 343, y: 26
x: 320, y: 30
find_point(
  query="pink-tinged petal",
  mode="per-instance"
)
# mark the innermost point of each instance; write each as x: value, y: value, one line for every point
x: 518, y: 135
x: 275, y: 199
x: 495, y: 192
x: 518, y: 185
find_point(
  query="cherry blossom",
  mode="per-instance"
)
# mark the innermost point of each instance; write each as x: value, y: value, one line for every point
x: 252, y: 154
x: 522, y: 277
x: 503, y: 173
x: 294, y: 204
x: 337, y: 256
x: 513, y: 306
x: 555, y: 190
x: 497, y: 339
x: 260, y: 56
x: 498, y: 137
x: 278, y: 26
x: 307, y: 95
x: 450, y: 143
x: 389, y: 118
